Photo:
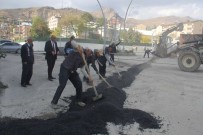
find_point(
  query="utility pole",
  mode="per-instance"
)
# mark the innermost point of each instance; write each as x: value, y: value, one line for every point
x: 127, y: 13
x: 104, y: 26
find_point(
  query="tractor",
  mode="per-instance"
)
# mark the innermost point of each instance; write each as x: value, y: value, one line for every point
x: 189, y: 49
x: 190, y: 53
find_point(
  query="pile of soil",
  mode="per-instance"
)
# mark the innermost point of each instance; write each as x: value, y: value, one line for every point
x: 92, y: 118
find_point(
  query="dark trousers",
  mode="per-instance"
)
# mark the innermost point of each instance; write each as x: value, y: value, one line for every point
x: 145, y: 54
x: 64, y: 75
x: 27, y: 70
x: 50, y: 64
x: 102, y: 69
x: 112, y: 57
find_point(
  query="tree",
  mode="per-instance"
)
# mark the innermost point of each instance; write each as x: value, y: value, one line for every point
x: 100, y: 23
x: 145, y: 39
x: 72, y: 23
x: 86, y: 18
x: 39, y: 30
x: 130, y: 36
x: 57, y: 31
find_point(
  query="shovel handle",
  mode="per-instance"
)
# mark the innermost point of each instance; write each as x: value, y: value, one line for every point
x: 88, y: 71
x: 104, y: 80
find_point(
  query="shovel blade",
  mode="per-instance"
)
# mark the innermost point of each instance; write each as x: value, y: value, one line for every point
x: 97, y: 97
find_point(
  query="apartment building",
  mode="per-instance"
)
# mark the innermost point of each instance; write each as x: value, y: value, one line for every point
x: 53, y: 22
x: 193, y: 27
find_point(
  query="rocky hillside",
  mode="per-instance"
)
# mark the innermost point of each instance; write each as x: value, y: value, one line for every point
x: 160, y: 20
x: 46, y: 12
x: 108, y: 12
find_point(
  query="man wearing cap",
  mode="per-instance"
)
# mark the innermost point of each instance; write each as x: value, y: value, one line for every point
x: 51, y: 50
x: 68, y: 70
x: 68, y: 47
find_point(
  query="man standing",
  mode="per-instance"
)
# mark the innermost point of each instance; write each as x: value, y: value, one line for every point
x: 51, y: 50
x: 27, y: 56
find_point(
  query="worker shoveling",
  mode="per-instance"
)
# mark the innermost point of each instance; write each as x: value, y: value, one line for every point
x: 97, y: 96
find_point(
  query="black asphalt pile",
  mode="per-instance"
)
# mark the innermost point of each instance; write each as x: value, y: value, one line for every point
x: 92, y: 118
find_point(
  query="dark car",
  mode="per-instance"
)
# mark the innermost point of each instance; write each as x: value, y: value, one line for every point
x: 10, y: 47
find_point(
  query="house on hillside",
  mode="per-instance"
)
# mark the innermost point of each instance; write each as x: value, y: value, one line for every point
x: 53, y: 22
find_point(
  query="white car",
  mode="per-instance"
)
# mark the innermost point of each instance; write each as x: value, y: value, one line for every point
x: 11, y: 47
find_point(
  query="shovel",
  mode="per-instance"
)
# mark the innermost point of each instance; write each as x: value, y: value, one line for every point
x: 102, y: 76
x: 105, y: 81
x: 118, y: 72
x: 97, y: 96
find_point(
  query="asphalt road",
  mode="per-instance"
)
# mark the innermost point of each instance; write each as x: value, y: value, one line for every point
x: 161, y: 89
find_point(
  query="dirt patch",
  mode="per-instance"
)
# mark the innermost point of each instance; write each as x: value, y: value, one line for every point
x: 91, y: 119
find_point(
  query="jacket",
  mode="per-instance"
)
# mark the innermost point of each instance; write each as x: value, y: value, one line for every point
x: 73, y: 61
x: 49, y: 48
x: 27, y: 54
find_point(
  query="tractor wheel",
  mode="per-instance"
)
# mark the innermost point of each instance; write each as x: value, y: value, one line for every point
x: 189, y: 61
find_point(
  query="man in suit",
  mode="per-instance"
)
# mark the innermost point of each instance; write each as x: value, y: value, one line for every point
x: 51, y: 50
x: 27, y: 57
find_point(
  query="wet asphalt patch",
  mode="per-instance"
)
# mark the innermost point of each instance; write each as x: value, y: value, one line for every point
x: 92, y: 118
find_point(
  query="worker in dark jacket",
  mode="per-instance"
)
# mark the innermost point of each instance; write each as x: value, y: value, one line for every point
x: 52, y: 51
x: 68, y: 70
x: 147, y: 51
x: 102, y: 58
x: 113, y: 46
x: 68, y: 46
x: 27, y: 57
x: 90, y: 59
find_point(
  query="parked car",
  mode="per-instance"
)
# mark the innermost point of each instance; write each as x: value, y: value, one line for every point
x: 4, y: 41
x: 10, y: 47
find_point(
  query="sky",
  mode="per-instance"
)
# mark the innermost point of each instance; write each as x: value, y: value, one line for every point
x: 139, y: 9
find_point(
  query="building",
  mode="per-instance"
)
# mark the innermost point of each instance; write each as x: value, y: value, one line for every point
x: 193, y: 27
x: 25, y: 29
x: 140, y: 27
x: 53, y: 22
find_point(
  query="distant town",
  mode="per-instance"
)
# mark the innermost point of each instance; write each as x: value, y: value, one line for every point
x: 87, y: 26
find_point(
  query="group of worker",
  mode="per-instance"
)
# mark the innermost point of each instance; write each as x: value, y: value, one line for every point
x: 75, y: 57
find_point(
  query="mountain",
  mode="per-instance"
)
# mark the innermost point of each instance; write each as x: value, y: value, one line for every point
x: 46, y: 12
x: 108, y: 12
x: 167, y: 20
